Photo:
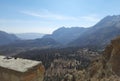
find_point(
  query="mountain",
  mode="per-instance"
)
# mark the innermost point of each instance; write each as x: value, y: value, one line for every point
x: 66, y: 35
x: 27, y: 36
x: 100, y: 34
x: 6, y: 38
x: 109, y: 21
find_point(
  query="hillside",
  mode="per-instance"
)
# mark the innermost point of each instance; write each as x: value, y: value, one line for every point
x: 6, y: 38
x: 66, y: 35
x: 100, y: 34
x: 96, y: 36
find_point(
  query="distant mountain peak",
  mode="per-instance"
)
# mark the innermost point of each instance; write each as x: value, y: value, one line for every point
x: 100, y: 34
x: 108, y: 21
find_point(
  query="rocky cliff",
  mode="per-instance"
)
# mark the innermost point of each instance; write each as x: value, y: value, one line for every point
x: 106, y: 67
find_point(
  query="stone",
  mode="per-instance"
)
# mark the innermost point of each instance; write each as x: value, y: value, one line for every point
x: 20, y: 69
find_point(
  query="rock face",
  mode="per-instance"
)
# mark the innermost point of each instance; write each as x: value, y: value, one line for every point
x: 16, y: 69
x: 115, y: 57
x: 107, y: 66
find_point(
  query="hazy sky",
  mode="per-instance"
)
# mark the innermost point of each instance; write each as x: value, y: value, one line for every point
x: 44, y: 16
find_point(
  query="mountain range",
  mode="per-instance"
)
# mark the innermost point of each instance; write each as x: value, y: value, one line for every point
x: 98, y: 35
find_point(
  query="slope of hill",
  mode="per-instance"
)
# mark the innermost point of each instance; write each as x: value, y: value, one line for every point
x: 66, y: 35
x: 6, y: 38
x: 100, y: 34
x: 28, y: 36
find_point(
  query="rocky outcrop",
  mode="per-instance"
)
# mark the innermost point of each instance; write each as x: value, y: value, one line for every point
x: 115, y: 57
x: 107, y: 66
x: 17, y: 69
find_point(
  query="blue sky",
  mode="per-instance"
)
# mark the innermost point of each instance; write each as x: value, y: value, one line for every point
x: 44, y: 16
